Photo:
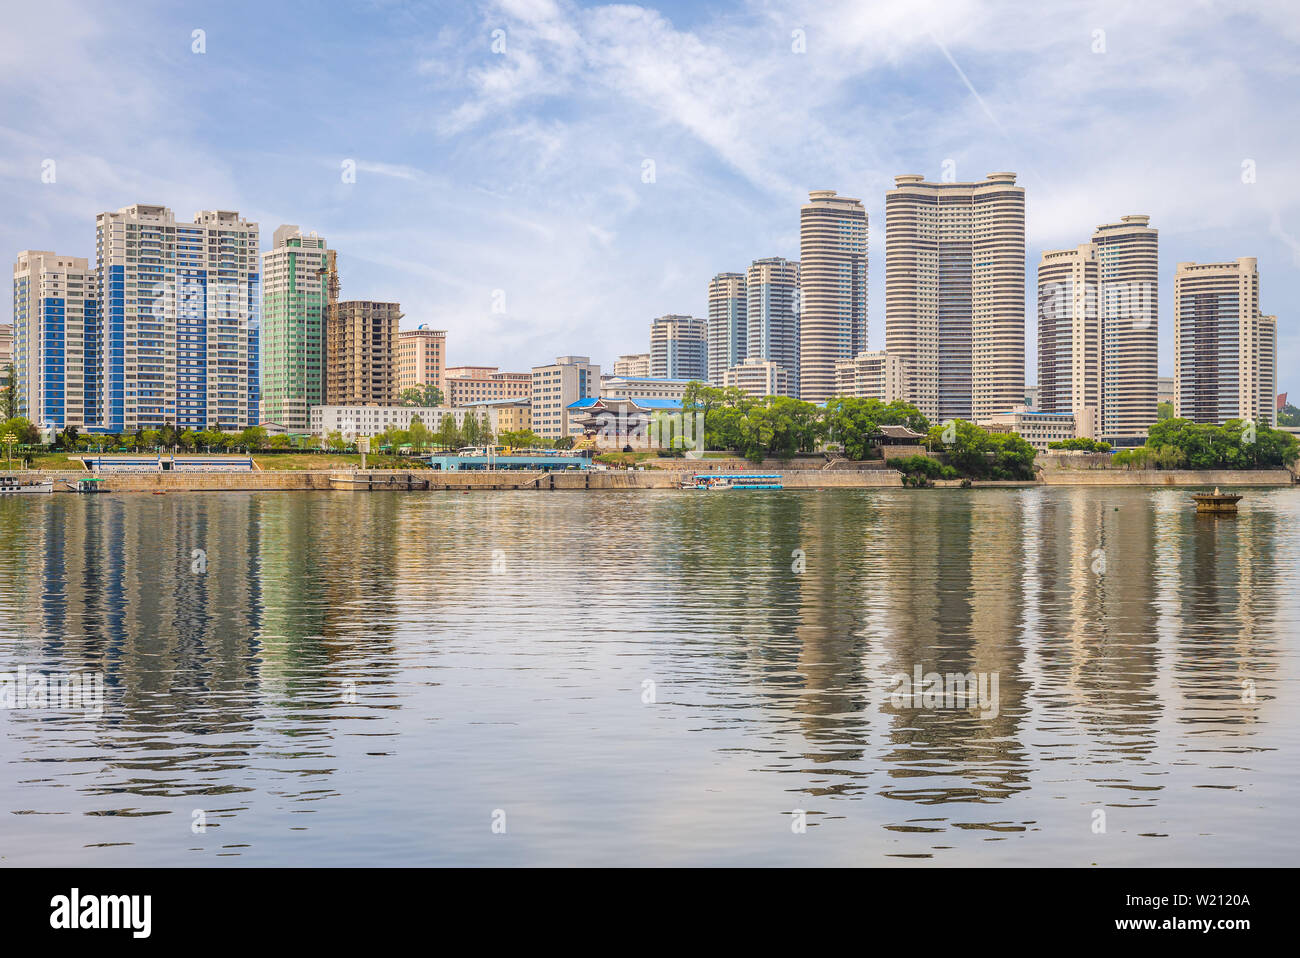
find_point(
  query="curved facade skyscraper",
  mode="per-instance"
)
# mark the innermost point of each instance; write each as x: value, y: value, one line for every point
x: 955, y: 293
x: 833, y: 283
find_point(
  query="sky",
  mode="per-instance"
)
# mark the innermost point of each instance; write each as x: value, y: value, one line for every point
x: 544, y: 177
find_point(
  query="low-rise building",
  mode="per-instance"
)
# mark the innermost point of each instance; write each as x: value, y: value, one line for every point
x: 512, y: 415
x: 632, y: 364
x: 1036, y: 428
x: 643, y: 387
x: 468, y: 385
x: 353, y: 421
x: 872, y: 375
x: 758, y: 377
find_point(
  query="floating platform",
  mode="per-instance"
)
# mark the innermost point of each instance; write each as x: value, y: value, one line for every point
x: 1216, y: 502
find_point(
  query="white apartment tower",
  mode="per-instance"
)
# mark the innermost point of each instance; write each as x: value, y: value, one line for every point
x: 772, y: 307
x: 1225, y: 349
x: 955, y: 293
x: 180, y: 317
x: 679, y: 348
x: 728, y: 324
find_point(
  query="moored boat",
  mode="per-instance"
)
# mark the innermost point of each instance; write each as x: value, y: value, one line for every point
x: 717, y: 481
x: 15, y: 485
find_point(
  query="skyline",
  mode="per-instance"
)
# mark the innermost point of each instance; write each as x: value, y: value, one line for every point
x: 479, y: 172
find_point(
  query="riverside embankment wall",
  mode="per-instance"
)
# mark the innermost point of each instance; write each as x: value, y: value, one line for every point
x: 296, y: 481
x: 1166, y: 477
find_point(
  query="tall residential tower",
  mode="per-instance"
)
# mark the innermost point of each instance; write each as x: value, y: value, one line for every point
x: 180, y: 315
x: 1225, y: 349
x: 772, y: 294
x: 833, y: 281
x: 56, y: 340
x: 955, y: 293
x: 295, y: 308
x: 727, y: 324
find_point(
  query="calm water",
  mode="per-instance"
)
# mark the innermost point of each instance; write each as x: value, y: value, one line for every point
x: 377, y: 678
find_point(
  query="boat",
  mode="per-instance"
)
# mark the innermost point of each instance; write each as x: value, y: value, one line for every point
x: 718, y: 481
x: 86, y: 485
x: 12, y: 484
x: 1216, y: 502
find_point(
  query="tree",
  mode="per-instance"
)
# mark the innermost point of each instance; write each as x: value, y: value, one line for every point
x: 10, y: 408
x: 1165, y: 410
x: 150, y: 438
x: 520, y: 439
x: 419, y: 433
x: 472, y: 430
x: 335, y: 441
x: 978, y: 454
x: 254, y: 437
x: 432, y: 397
x: 187, y: 440
x: 448, y: 435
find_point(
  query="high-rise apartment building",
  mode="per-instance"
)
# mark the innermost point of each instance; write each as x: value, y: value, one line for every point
x: 1128, y: 269
x: 728, y: 323
x: 179, y: 318
x: 55, y: 340
x: 872, y: 375
x: 772, y: 308
x: 1225, y: 349
x: 833, y: 284
x: 679, y: 348
x: 557, y: 385
x: 296, y: 300
x: 1069, y: 337
x: 1097, y: 331
x: 632, y: 364
x: 361, y: 353
x: 421, y: 358
x: 955, y: 293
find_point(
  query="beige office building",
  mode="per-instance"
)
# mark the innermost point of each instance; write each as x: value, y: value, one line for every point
x: 469, y: 385
x: 872, y: 375
x: 557, y: 385
x: 361, y: 353
x: 512, y: 415
x: 955, y: 293
x: 1039, y: 429
x: 758, y: 377
x: 421, y: 358
x: 833, y: 289
x: 1225, y: 349
x: 633, y: 364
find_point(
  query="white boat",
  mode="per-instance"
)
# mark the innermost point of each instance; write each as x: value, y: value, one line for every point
x: 12, y: 484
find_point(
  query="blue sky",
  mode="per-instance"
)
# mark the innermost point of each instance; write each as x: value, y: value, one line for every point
x: 522, y: 170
